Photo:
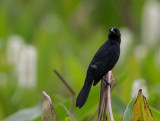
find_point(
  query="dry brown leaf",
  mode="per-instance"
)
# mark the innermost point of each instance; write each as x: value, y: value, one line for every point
x: 48, y: 112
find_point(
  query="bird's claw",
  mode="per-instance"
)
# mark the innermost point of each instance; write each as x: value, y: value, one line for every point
x: 108, y: 83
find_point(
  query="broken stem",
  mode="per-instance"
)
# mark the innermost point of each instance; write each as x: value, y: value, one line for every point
x: 101, y: 101
x: 64, y: 82
x: 68, y: 87
x: 105, y: 99
x: 109, y: 97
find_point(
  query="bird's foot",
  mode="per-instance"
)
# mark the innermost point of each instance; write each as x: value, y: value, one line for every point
x: 108, y: 83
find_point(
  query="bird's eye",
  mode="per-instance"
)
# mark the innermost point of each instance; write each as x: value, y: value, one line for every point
x: 116, y: 30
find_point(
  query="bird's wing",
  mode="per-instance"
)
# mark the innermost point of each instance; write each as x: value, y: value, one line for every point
x: 105, y: 63
x: 101, y: 53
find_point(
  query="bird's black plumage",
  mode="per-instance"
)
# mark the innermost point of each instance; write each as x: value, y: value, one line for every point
x: 103, y: 61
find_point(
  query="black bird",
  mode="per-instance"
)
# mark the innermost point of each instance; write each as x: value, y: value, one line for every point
x: 103, y: 61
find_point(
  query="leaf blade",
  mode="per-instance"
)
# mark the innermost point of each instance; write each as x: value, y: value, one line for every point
x: 48, y: 112
x: 25, y: 114
x: 141, y: 111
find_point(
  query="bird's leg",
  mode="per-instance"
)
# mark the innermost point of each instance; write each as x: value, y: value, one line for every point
x: 108, y: 83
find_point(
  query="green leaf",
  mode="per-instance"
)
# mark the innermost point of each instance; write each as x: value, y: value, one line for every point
x: 25, y: 114
x: 128, y: 112
x: 141, y: 111
x: 155, y: 113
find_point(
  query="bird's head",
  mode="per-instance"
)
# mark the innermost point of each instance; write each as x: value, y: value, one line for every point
x: 114, y: 33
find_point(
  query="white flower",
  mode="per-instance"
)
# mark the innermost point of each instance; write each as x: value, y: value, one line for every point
x: 127, y: 39
x: 14, y: 46
x: 27, y: 67
x: 150, y: 23
x: 137, y: 85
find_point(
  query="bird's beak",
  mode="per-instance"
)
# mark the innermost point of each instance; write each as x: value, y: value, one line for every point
x: 112, y: 30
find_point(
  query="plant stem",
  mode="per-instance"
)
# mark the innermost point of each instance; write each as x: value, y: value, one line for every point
x: 109, y: 97
x: 69, y: 88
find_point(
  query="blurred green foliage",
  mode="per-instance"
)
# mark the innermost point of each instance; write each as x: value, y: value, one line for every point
x: 66, y: 35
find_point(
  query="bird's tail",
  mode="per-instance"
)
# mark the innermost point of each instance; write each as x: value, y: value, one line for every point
x: 83, y: 95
